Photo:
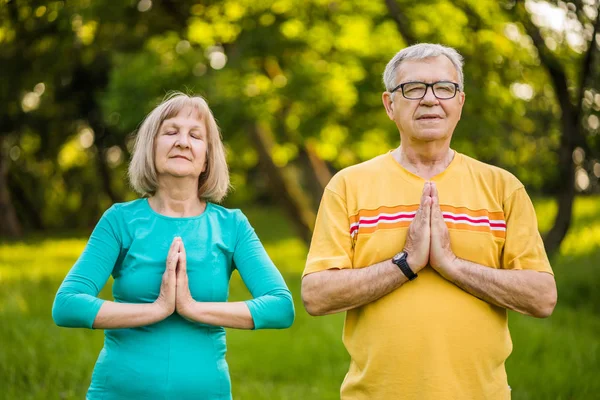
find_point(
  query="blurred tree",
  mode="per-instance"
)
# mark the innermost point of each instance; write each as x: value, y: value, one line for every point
x: 56, y: 59
x: 570, y: 58
x: 295, y: 85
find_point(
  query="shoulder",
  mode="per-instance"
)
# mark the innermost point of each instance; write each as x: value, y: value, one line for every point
x: 115, y: 221
x: 349, y: 176
x: 225, y: 213
x: 229, y: 218
x: 504, y: 181
x: 127, y: 209
x: 232, y: 222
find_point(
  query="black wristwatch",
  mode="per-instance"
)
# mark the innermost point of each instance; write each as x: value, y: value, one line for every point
x: 400, y: 260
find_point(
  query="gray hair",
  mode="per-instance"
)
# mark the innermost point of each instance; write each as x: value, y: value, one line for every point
x: 419, y: 52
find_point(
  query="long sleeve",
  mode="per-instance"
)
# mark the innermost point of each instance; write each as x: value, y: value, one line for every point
x: 272, y: 305
x: 76, y: 304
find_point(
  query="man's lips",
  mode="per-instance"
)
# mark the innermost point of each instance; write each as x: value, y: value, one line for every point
x: 430, y: 116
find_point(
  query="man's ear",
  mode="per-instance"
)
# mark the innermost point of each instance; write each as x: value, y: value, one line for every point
x: 388, y: 103
x: 461, y: 101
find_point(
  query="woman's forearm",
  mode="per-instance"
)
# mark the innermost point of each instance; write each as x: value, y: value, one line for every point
x: 229, y: 315
x: 114, y: 315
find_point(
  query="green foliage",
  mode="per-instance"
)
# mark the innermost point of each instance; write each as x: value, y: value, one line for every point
x: 555, y: 358
x: 310, y: 71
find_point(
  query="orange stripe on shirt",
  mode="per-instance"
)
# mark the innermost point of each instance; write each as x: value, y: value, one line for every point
x: 382, y: 210
x: 463, y: 218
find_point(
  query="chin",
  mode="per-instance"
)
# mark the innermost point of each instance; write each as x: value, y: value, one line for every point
x: 430, y: 136
x: 181, y: 173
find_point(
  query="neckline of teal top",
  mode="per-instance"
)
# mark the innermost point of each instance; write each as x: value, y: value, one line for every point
x: 151, y: 210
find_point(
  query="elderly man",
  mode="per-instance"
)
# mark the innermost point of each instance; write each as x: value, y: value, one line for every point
x: 425, y: 249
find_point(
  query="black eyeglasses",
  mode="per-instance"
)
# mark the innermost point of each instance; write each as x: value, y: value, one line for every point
x: 442, y: 90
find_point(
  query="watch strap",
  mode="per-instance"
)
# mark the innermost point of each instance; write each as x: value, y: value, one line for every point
x: 400, y: 261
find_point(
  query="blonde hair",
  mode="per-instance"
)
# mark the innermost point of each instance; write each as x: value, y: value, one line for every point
x: 213, y: 183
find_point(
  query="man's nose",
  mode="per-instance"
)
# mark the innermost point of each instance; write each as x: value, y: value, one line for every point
x: 429, y: 97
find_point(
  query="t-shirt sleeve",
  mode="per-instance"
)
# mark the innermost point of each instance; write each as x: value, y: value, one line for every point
x: 523, y: 248
x: 76, y: 303
x: 331, y: 244
x: 272, y: 305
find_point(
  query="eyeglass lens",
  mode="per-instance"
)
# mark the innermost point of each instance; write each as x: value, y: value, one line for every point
x: 441, y: 90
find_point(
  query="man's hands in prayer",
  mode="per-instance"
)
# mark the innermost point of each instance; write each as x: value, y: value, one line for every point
x: 428, y: 240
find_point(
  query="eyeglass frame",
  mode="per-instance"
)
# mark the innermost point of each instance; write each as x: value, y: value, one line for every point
x: 427, y: 86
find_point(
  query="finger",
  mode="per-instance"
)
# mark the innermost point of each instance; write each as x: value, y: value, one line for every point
x: 435, y: 206
x: 436, y: 212
x: 427, y: 188
x: 182, y: 279
x: 182, y: 259
x: 427, y: 208
x: 424, y: 197
x: 180, y: 275
x: 434, y: 191
x: 174, y: 246
x: 172, y: 262
x: 424, y: 211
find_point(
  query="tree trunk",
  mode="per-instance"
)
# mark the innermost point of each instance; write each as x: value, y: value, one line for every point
x: 10, y: 227
x: 320, y: 169
x: 285, y: 188
x: 104, y: 172
x: 401, y: 22
x: 21, y: 197
x: 566, y: 195
x: 315, y: 171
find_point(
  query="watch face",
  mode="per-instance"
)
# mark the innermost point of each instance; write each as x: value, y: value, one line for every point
x: 397, y: 257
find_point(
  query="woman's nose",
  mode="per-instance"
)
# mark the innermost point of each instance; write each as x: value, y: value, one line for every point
x: 182, y: 140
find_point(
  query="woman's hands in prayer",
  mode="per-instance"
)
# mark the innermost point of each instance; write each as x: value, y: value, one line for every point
x: 184, y: 298
x: 175, y: 296
x: 174, y: 290
x: 168, y: 288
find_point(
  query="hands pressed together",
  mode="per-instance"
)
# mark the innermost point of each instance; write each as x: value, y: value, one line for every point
x: 174, y: 290
x: 428, y: 240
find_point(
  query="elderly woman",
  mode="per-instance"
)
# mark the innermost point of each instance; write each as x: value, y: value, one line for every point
x: 171, y: 254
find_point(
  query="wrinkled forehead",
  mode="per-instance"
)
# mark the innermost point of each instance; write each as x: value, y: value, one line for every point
x: 430, y: 69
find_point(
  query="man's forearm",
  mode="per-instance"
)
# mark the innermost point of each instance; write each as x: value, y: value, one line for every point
x: 333, y: 291
x: 525, y: 291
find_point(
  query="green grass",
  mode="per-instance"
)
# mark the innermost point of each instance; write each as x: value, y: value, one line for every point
x: 555, y: 358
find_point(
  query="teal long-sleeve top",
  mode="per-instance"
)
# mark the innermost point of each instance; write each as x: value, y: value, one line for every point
x: 174, y: 358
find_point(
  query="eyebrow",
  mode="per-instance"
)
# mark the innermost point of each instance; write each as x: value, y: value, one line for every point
x: 430, y: 80
x: 176, y: 125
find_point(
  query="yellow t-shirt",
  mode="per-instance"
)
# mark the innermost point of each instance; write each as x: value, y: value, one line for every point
x: 428, y: 339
